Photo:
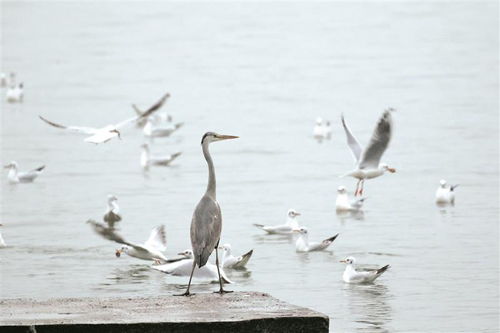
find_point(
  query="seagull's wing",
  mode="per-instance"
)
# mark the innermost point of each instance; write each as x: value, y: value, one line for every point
x: 145, y: 114
x: 157, y: 239
x: 370, y: 158
x: 323, y: 245
x: 158, y: 104
x: 78, y: 129
x: 351, y: 141
x: 108, y: 233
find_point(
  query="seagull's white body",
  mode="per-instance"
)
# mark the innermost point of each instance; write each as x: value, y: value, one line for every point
x: 283, y: 229
x: 160, y: 132
x: 183, y: 267
x: 14, y: 176
x: 148, y: 159
x: 318, y: 130
x: 230, y: 261
x: 112, y: 214
x: 445, y: 194
x: 15, y: 94
x: 3, y: 80
x: 152, y: 249
x: 303, y: 245
x: 344, y: 203
x: 368, y: 164
x: 351, y: 275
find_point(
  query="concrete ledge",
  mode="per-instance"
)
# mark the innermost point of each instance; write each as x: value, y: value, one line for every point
x: 235, y: 312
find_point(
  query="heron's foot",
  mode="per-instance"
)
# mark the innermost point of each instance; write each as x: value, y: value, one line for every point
x: 222, y: 291
x: 187, y: 293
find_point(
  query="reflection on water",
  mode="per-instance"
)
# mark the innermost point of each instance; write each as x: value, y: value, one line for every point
x: 344, y: 216
x: 369, y: 306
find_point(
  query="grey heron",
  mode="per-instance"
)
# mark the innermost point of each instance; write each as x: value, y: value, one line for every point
x: 368, y: 160
x: 206, y: 224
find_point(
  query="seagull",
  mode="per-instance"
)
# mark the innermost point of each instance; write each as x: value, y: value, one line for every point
x: 303, y: 245
x: 368, y: 159
x: 103, y: 134
x: 318, y: 132
x: 445, y: 194
x: 151, y: 250
x: 15, y: 93
x: 351, y: 275
x: 230, y: 261
x: 2, y: 242
x: 141, y: 121
x: 160, y: 132
x: 327, y: 130
x: 183, y: 267
x: 283, y: 229
x: 344, y: 203
x: 3, y: 80
x: 22, y: 177
x: 147, y: 159
x: 112, y: 214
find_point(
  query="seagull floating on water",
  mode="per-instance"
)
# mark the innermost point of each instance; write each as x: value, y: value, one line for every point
x: 14, y: 176
x: 445, y: 194
x: 318, y: 132
x: 230, y: 261
x: 351, y: 275
x: 303, y: 245
x: 283, y: 229
x: 15, y: 94
x: 152, y: 131
x: 141, y: 121
x: 148, y: 159
x: 184, y: 267
x: 103, y: 134
x: 368, y: 159
x: 344, y: 203
x: 112, y: 214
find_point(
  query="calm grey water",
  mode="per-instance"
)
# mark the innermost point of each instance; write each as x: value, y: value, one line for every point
x: 264, y: 72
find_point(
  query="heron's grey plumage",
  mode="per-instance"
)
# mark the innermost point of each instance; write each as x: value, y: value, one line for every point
x: 371, y: 155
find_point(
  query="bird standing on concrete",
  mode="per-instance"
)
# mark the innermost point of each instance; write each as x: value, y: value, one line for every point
x: 206, y: 225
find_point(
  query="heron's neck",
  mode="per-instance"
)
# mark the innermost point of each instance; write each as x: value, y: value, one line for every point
x: 211, y: 171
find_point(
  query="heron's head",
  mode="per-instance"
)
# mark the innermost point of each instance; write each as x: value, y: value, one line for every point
x: 114, y: 130
x: 443, y: 183
x: 186, y: 253
x: 341, y: 189
x: 11, y: 165
x: 210, y: 137
x: 301, y: 230
x: 293, y: 213
x: 348, y: 260
x: 385, y: 167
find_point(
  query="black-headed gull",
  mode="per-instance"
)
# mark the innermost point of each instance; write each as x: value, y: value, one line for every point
x: 15, y: 93
x: 445, y: 194
x: 345, y: 204
x: 283, y: 229
x: 141, y: 121
x: 303, y: 245
x: 351, y: 275
x: 14, y: 176
x: 112, y: 214
x: 230, y: 261
x: 148, y: 159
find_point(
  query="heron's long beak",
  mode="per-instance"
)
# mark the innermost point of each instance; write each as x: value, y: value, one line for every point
x: 297, y: 214
x: 343, y: 261
x: 227, y: 137
x: 181, y: 254
x: 7, y: 166
x: 296, y: 230
x: 118, y: 253
x: 391, y: 170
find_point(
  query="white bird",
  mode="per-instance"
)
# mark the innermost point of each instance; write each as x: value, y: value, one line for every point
x: 3, y: 80
x: 103, y: 134
x: 445, y: 194
x: 303, y: 245
x: 15, y: 94
x: 151, y: 131
x: 184, y: 267
x: 152, y: 249
x: 327, y: 130
x: 368, y: 160
x: 283, y: 229
x: 2, y: 242
x: 230, y: 261
x: 14, y: 176
x: 318, y: 131
x: 344, y: 203
x: 351, y: 275
x: 142, y: 120
x: 148, y: 159
x: 112, y: 214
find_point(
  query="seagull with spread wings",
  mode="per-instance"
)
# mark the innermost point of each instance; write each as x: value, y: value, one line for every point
x: 106, y: 133
x: 368, y: 159
x: 141, y: 121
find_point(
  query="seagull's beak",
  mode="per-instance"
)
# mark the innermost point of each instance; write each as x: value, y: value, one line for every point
x: 227, y: 137
x: 118, y: 253
x: 391, y: 170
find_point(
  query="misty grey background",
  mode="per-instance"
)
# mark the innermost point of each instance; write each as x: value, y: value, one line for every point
x: 264, y: 72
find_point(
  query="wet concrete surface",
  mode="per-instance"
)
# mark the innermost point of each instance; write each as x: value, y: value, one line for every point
x: 234, y: 312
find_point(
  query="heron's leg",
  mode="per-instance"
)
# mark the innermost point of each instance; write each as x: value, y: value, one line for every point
x: 221, y: 290
x: 187, y: 293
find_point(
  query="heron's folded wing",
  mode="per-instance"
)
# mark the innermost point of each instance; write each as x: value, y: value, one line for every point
x: 370, y: 158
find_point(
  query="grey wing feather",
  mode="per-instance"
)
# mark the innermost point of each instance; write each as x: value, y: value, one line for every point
x: 370, y: 158
x: 206, y: 227
x: 352, y: 142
